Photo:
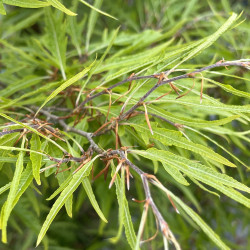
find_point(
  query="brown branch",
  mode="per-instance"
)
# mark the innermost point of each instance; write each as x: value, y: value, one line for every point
x: 184, y: 76
x: 67, y: 128
x: 187, y: 75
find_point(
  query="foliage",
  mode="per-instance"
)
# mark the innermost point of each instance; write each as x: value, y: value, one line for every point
x: 102, y: 103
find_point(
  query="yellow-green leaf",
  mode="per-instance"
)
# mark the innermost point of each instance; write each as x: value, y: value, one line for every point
x: 36, y: 159
x: 170, y: 137
x: 8, y: 205
x: 87, y: 187
x: 96, y: 9
x: 60, y: 6
x: 26, y: 3
x: 2, y: 10
x: 65, y: 85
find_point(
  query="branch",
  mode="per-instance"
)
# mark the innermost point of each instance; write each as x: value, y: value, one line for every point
x: 240, y: 63
x: 163, y: 224
x: 184, y: 76
x: 67, y: 128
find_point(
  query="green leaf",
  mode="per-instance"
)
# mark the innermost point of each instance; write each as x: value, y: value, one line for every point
x: 65, y: 85
x: 96, y: 9
x: 112, y: 40
x: 170, y: 137
x: 189, y: 121
x: 221, y: 182
x: 219, y: 145
x: 5, y: 188
x: 92, y: 21
x: 209, y: 40
x: 25, y: 181
x: 63, y: 185
x: 99, y: 62
x: 124, y: 214
x: 2, y: 10
x: 26, y: 3
x: 229, y: 88
x: 203, y: 187
x: 60, y: 6
x: 66, y: 193
x: 87, y: 187
x: 8, y: 205
x: 22, y: 84
x: 75, y: 30
x: 128, y: 225
x: 26, y: 56
x: 62, y: 177
x: 36, y: 159
x: 175, y: 173
x: 7, y: 140
x: 192, y: 168
x: 120, y: 193
x: 206, y: 105
x: 20, y: 149
x: 56, y: 39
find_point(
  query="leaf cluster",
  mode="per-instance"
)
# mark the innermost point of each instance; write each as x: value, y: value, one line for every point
x: 104, y: 102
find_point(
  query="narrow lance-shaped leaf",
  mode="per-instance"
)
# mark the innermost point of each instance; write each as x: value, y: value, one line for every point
x: 87, y: 187
x: 190, y: 121
x: 176, y: 174
x: 170, y: 137
x: 20, y: 149
x: 120, y: 193
x: 25, y: 181
x: 5, y: 188
x: 66, y: 193
x: 63, y: 185
x: 2, y: 10
x: 36, y: 159
x: 75, y: 30
x: 192, y: 168
x: 26, y: 3
x: 208, y: 104
x: 99, y: 62
x: 230, y: 89
x: 57, y: 4
x: 65, y: 85
x: 7, y: 140
x: 92, y: 21
x: 126, y: 216
x: 8, y: 205
x: 209, y: 41
x: 96, y: 9
x: 219, y: 145
x: 56, y: 39
x: 221, y: 182
x: 128, y: 225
